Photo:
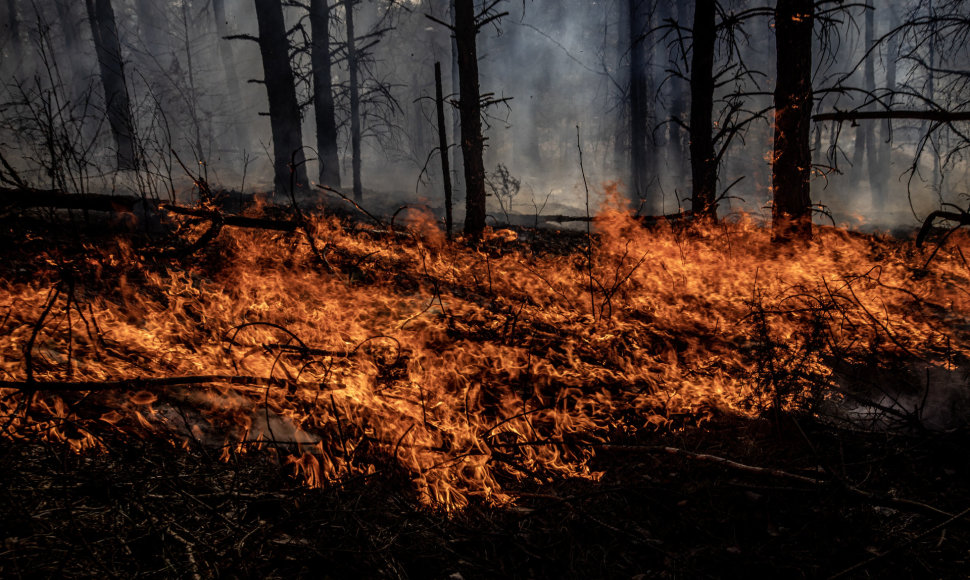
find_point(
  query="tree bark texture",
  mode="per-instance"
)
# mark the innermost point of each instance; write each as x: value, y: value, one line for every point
x: 323, y: 105
x: 108, y: 47
x: 289, y: 165
x: 792, y: 164
x: 354, y: 100
x: 703, y: 160
x: 472, y: 141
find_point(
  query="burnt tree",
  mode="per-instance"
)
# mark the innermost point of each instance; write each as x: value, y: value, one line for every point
x: 640, y: 159
x: 791, y: 167
x: 323, y: 104
x: 111, y: 66
x: 354, y: 99
x: 703, y: 159
x: 470, y: 109
x: 284, y: 111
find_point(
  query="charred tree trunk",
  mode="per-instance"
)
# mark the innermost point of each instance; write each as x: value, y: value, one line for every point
x: 289, y: 167
x: 703, y: 161
x: 456, y: 158
x: 792, y: 165
x: 354, y: 100
x: 472, y: 141
x: 323, y: 106
x: 639, y: 97
x: 880, y: 195
x: 443, y: 145
x: 108, y: 47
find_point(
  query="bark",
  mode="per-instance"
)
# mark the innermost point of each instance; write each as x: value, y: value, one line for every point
x: 472, y: 141
x: 284, y: 112
x: 639, y: 97
x: 108, y: 48
x: 443, y: 146
x: 323, y: 105
x: 792, y: 166
x: 354, y: 100
x: 456, y: 159
x: 703, y: 160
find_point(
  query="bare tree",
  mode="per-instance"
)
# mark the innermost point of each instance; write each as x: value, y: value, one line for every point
x: 472, y: 140
x: 323, y: 104
x: 792, y: 163
x: 641, y: 160
x: 703, y: 160
x: 104, y: 30
x: 289, y: 161
x: 354, y: 98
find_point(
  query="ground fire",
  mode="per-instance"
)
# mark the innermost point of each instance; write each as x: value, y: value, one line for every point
x: 469, y: 367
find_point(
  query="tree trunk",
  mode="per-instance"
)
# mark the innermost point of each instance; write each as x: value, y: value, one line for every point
x: 323, y: 106
x: 472, y: 141
x: 443, y: 146
x: 108, y: 47
x: 881, y: 194
x: 703, y: 161
x: 639, y: 97
x: 457, y: 163
x: 354, y: 100
x: 792, y: 166
x: 876, y: 179
x: 289, y: 162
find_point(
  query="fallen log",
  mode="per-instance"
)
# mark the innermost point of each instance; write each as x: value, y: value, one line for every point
x: 32, y: 198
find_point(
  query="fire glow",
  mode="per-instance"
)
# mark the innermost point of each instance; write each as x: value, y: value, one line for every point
x: 468, y: 368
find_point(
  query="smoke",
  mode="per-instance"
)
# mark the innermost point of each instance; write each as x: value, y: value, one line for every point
x: 557, y: 74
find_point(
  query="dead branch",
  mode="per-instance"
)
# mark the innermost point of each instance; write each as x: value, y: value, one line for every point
x: 234, y: 220
x: 938, y: 116
x: 146, y: 383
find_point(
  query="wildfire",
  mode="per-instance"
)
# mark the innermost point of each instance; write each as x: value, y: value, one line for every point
x: 468, y: 368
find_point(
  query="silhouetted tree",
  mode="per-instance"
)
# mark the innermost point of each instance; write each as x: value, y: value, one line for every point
x: 323, y: 104
x: 284, y: 110
x: 104, y: 31
x: 792, y: 160
x: 703, y: 160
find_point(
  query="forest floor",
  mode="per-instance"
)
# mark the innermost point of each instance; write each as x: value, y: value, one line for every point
x: 722, y: 495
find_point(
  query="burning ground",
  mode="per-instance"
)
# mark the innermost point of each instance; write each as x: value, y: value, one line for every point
x: 372, y: 399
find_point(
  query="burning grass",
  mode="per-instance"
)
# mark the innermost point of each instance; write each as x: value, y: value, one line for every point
x: 472, y: 370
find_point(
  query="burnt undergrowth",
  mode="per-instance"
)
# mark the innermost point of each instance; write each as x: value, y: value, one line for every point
x: 824, y: 474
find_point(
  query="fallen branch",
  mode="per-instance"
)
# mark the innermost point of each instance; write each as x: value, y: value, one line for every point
x: 234, y: 220
x: 145, y: 384
x: 962, y: 218
x: 26, y: 198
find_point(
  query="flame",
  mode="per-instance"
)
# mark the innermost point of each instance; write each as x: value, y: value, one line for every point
x: 469, y: 368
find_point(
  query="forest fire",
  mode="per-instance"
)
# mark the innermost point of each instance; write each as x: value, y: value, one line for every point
x: 467, y: 367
